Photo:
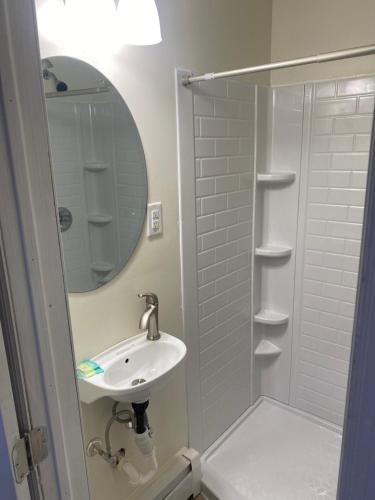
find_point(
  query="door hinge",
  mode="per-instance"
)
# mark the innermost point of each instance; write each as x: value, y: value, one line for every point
x: 28, y: 451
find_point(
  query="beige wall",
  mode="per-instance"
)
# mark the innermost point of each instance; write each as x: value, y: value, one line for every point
x: 305, y: 27
x: 203, y: 35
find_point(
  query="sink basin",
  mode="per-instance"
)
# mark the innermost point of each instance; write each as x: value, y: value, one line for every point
x: 133, y: 369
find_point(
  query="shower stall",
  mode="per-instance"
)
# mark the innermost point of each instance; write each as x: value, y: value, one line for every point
x: 277, y: 177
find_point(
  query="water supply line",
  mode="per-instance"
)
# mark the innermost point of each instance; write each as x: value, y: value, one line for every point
x: 95, y: 445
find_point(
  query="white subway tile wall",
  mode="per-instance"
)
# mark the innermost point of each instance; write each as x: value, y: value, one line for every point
x: 224, y: 130
x: 130, y: 178
x: 65, y: 132
x: 341, y: 127
x: 97, y: 128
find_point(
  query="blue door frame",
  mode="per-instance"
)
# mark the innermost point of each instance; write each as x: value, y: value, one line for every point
x: 357, y: 474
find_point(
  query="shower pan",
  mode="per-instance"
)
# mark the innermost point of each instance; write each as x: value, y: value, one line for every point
x: 279, y: 189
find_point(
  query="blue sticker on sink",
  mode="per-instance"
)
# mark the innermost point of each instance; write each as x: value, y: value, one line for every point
x: 88, y: 368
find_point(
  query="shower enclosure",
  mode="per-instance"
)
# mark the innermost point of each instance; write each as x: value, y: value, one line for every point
x: 279, y: 186
x: 97, y: 170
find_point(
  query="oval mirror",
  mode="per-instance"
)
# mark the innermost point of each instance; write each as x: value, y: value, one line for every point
x: 99, y: 172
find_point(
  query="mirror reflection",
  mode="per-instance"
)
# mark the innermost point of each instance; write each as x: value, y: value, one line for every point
x: 99, y: 171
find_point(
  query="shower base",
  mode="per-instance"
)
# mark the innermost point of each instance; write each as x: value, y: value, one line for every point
x: 273, y: 452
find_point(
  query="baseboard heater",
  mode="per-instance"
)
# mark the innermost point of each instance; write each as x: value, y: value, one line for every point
x: 179, y: 479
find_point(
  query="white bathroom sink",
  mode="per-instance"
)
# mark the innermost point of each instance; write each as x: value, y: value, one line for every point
x: 133, y: 369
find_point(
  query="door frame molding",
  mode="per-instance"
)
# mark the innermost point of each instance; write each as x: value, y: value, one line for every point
x: 38, y: 326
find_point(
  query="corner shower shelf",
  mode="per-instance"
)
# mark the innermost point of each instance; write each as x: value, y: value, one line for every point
x: 268, y: 317
x: 276, y: 178
x: 103, y: 281
x: 96, y: 166
x: 267, y: 348
x: 100, y: 219
x: 102, y: 267
x: 273, y: 251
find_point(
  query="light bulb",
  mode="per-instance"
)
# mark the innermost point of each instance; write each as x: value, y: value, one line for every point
x: 92, y: 25
x: 51, y: 21
x: 139, y: 22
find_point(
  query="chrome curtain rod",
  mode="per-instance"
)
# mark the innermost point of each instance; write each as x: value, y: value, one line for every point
x: 69, y: 93
x: 319, y: 58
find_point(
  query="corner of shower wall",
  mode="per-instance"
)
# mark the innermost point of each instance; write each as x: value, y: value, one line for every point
x: 276, y: 194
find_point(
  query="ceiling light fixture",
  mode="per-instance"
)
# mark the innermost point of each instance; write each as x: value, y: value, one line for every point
x: 97, y: 25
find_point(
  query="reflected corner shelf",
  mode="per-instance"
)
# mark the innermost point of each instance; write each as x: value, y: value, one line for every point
x: 269, y: 317
x: 100, y: 219
x: 272, y: 178
x: 104, y: 280
x: 102, y: 267
x: 96, y: 166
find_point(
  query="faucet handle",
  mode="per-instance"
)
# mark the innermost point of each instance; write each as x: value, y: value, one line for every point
x: 151, y: 298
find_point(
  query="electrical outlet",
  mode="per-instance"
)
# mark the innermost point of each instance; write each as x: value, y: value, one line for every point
x: 154, y: 219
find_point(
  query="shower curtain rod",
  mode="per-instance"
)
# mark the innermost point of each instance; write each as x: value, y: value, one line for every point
x: 70, y: 93
x: 319, y: 58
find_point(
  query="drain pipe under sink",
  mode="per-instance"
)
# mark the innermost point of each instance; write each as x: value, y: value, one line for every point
x: 144, y: 444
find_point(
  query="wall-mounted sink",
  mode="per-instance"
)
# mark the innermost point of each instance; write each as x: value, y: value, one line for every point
x: 133, y: 369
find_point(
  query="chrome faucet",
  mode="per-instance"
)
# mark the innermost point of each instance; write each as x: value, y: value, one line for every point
x: 150, y: 318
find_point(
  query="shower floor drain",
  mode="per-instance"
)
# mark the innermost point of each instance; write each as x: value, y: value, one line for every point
x: 138, y: 381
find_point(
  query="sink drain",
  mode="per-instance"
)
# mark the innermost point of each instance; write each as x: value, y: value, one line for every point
x: 138, y: 381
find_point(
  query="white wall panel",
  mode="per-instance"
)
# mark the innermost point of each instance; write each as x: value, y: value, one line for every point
x: 224, y: 129
x: 332, y: 201
x: 279, y: 139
